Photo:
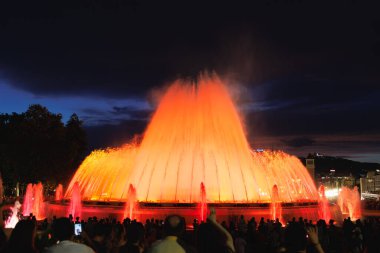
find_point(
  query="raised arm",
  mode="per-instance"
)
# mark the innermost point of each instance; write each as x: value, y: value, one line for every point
x: 212, y: 219
x: 313, y: 236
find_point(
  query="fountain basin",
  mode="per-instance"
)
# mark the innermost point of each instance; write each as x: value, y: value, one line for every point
x: 190, y: 211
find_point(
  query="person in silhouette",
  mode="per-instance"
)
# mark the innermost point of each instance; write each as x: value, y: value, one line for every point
x: 135, y: 237
x: 213, y: 237
x: 22, y: 238
x: 98, y: 242
x: 63, y: 232
x: 174, y: 227
x: 298, y: 238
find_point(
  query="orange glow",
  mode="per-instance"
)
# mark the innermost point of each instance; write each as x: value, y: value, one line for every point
x: 194, y: 137
x: 103, y: 175
x: 59, y: 192
x: 130, y: 204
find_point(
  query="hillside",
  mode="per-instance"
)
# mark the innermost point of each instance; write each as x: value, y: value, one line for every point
x: 342, y: 166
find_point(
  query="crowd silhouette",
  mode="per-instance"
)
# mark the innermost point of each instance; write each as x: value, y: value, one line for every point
x: 173, y: 235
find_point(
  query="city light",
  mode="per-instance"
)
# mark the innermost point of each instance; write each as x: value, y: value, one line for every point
x: 332, y: 193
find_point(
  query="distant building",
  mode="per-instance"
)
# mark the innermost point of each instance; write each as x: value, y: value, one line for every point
x: 370, y: 185
x: 338, y: 182
x: 336, y: 172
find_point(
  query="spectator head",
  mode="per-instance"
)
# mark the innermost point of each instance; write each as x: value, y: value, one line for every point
x: 210, y: 239
x: 295, y: 237
x: 100, y: 230
x: 22, y: 237
x: 174, y: 225
x: 135, y: 232
x: 63, y: 229
x: 116, y: 237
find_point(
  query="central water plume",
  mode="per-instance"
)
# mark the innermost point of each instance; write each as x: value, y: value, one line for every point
x: 195, y: 136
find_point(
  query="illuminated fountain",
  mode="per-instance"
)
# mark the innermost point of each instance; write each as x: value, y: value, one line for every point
x: 195, y: 137
x: 59, y: 193
x: 38, y: 201
x: 27, y: 206
x: 131, y: 203
x: 13, y: 219
x: 356, y: 204
x: 203, y: 203
x: 349, y: 202
x: 323, y: 205
x: 103, y: 175
x: 75, y: 208
x: 275, y: 206
x: 34, y: 201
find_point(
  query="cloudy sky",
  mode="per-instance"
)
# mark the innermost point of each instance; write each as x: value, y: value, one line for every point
x: 305, y: 74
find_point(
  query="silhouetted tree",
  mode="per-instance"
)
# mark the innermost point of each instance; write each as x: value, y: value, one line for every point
x: 76, y: 143
x: 36, y: 145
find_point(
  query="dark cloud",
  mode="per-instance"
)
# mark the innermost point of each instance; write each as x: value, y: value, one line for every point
x: 309, y: 106
x: 92, y: 111
x: 106, y: 135
x: 123, y: 48
x: 299, y: 142
x: 114, y: 116
x: 132, y: 112
x: 308, y: 67
x: 122, y: 110
x: 361, y: 147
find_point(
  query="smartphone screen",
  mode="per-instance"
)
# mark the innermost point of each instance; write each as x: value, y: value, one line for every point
x: 77, y: 229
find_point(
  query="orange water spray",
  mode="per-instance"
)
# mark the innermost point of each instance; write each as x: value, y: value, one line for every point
x: 27, y: 205
x: 34, y: 201
x: 323, y: 205
x: 203, y: 204
x: 275, y: 206
x: 349, y: 202
x: 75, y: 208
x: 59, y: 193
x: 131, y: 203
x: 195, y: 136
x: 38, y: 201
x: 103, y: 175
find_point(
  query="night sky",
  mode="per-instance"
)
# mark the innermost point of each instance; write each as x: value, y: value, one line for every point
x: 305, y: 74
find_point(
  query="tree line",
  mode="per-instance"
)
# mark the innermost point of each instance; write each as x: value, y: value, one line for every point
x: 37, y: 146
